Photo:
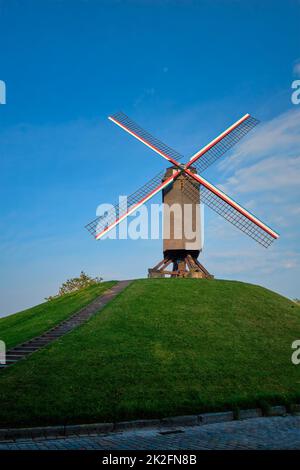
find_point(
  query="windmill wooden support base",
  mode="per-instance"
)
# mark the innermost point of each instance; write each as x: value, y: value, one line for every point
x: 184, y: 265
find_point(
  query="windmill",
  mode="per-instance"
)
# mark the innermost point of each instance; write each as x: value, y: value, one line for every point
x: 184, y: 184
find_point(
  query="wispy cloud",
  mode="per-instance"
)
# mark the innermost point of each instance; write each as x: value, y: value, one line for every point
x: 266, y: 168
x: 229, y: 262
x: 278, y: 137
x: 271, y: 174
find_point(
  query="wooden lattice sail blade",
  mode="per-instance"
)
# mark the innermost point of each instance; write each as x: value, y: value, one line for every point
x: 117, y: 213
x: 221, y: 144
x: 146, y: 138
x: 235, y: 217
x: 234, y: 212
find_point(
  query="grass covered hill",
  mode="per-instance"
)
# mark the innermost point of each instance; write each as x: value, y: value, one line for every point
x: 22, y: 326
x: 162, y: 347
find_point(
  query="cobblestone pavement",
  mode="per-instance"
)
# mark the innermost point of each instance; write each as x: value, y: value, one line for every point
x: 257, y: 433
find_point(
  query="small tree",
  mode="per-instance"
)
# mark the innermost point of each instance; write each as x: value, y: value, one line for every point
x: 75, y: 284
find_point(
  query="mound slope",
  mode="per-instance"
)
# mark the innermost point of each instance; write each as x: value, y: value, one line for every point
x: 162, y: 347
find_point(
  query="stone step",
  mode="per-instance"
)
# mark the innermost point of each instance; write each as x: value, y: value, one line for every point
x: 15, y: 356
x: 22, y: 349
x: 65, y: 328
x: 57, y: 335
x: 39, y: 343
x: 38, y: 340
x: 10, y: 360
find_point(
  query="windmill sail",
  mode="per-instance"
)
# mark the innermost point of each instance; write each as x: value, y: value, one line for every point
x: 224, y: 142
x: 117, y: 213
x: 210, y: 195
x: 235, y: 218
x: 232, y: 212
x: 146, y: 138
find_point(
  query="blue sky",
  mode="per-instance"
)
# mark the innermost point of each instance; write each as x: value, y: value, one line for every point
x: 185, y: 70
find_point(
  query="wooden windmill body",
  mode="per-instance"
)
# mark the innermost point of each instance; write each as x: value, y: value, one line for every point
x: 182, y: 240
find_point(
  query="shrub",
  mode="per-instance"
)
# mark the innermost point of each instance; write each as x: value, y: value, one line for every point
x: 75, y: 284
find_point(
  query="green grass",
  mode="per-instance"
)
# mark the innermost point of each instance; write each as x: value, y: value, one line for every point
x: 29, y: 323
x: 162, y: 347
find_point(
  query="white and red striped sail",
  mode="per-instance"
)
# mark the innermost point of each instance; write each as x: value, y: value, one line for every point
x: 104, y: 224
